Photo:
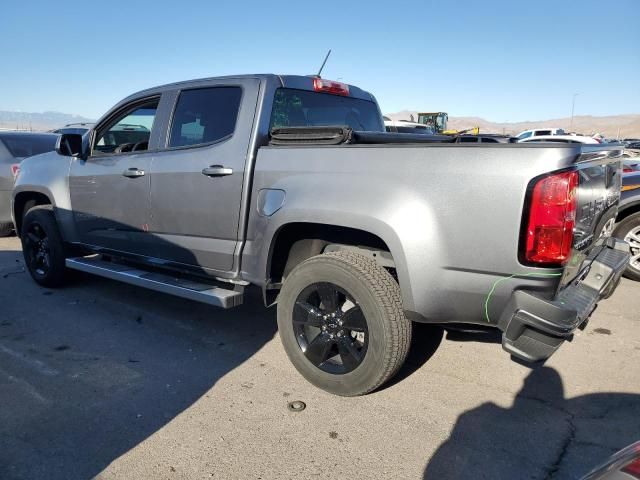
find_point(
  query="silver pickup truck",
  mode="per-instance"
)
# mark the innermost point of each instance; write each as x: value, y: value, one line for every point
x: 290, y: 183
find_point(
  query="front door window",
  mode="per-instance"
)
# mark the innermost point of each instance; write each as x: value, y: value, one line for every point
x: 128, y: 133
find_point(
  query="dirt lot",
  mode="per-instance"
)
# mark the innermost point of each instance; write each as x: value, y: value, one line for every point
x: 103, y: 379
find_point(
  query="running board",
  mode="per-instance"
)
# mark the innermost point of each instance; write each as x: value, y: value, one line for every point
x: 198, y: 291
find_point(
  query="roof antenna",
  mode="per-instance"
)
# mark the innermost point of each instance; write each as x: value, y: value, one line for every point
x: 322, y: 66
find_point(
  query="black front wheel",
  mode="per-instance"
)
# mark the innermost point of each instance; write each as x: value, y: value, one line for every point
x: 341, y: 322
x: 42, y: 247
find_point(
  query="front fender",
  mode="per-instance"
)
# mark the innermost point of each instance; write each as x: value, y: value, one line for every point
x: 47, y: 174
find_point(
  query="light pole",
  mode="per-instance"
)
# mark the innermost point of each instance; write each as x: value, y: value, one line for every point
x: 573, y: 106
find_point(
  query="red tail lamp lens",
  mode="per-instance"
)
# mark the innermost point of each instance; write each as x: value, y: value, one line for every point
x: 552, y: 218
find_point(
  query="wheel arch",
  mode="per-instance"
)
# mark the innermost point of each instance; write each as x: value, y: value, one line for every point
x: 296, y: 241
x: 627, y: 210
x: 25, y: 200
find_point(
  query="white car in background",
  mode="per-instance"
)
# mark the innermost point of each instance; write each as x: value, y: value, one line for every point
x: 561, y: 139
x: 539, y: 132
x: 406, y: 126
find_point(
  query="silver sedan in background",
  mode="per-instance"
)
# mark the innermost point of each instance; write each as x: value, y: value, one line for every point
x: 14, y: 147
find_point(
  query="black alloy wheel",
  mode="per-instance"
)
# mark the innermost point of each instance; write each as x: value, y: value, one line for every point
x: 330, y: 328
x: 36, y: 249
x: 342, y: 323
x: 42, y: 247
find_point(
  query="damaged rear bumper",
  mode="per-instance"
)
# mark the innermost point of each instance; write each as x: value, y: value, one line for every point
x: 534, y: 327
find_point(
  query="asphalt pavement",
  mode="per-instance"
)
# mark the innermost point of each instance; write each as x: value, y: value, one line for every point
x: 101, y: 379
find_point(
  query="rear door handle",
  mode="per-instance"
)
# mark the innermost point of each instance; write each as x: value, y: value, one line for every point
x: 133, y: 172
x: 217, y: 171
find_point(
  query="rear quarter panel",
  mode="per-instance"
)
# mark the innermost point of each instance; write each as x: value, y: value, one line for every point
x: 450, y: 214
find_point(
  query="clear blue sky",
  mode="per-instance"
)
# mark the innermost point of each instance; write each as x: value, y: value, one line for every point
x: 497, y: 59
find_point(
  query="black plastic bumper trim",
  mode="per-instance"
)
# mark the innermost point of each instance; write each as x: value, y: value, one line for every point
x: 534, y: 327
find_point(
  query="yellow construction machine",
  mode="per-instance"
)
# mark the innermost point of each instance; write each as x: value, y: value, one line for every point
x: 438, y: 121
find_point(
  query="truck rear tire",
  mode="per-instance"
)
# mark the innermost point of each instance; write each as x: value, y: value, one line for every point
x: 42, y: 247
x: 629, y: 230
x: 341, y: 322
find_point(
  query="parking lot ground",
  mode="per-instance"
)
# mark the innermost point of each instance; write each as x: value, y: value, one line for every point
x: 108, y: 380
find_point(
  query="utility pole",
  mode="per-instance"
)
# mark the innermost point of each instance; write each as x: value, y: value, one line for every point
x: 573, y: 107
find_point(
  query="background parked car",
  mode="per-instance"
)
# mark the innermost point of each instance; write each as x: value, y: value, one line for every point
x: 628, y: 221
x: 628, y: 141
x: 15, y: 146
x: 561, y: 139
x: 486, y: 138
x: 405, y: 126
x: 631, y: 162
x: 537, y: 132
x: 79, y: 128
x: 623, y: 465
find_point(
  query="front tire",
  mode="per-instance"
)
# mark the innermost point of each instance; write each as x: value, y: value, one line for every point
x: 629, y: 231
x: 42, y: 247
x: 341, y: 322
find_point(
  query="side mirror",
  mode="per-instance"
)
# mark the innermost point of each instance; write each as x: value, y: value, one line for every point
x: 71, y: 145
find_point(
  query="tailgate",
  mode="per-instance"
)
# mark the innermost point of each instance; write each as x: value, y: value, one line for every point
x: 598, y: 194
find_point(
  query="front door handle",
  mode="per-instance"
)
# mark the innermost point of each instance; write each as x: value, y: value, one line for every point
x: 217, y: 171
x: 133, y: 172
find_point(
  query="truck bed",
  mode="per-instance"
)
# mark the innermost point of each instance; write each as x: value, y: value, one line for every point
x: 458, y: 208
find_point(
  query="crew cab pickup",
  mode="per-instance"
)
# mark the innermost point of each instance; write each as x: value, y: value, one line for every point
x: 290, y: 183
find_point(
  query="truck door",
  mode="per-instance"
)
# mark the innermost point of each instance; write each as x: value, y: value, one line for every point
x: 197, y: 178
x: 110, y: 190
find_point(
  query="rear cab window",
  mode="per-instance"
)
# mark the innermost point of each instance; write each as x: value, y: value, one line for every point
x: 303, y: 108
x: 205, y: 115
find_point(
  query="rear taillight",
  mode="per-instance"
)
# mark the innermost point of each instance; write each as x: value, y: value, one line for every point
x: 552, y: 216
x: 15, y: 169
x: 329, y: 86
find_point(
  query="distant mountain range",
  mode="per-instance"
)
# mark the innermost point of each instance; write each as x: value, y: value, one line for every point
x: 627, y: 126
x: 37, y: 121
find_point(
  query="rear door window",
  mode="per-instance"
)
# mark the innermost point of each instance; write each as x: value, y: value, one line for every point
x: 205, y: 115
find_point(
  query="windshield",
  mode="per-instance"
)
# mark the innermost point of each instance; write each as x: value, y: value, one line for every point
x: 302, y: 108
x: 23, y: 145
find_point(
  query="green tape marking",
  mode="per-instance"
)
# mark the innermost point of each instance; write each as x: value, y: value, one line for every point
x: 500, y: 280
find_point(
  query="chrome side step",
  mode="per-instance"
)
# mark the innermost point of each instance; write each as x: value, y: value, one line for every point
x: 198, y: 291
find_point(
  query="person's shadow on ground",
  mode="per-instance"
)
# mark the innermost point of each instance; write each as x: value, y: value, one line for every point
x: 542, y: 435
x: 90, y: 371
